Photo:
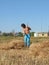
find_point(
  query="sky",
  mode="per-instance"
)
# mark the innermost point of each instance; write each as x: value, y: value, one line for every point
x: 34, y: 13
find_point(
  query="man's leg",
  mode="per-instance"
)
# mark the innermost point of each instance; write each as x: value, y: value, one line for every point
x: 28, y: 40
x: 25, y: 40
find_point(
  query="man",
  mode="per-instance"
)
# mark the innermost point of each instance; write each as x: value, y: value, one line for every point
x: 26, y: 32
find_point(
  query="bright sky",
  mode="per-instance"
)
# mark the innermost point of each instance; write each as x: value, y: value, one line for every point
x: 35, y: 13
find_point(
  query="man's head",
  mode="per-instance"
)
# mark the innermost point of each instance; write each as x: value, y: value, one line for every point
x: 23, y: 25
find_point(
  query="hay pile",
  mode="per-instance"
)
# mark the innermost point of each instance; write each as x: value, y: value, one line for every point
x: 39, y: 49
x: 14, y: 44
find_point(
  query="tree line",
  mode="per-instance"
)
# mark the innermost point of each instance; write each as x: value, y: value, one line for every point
x: 14, y: 34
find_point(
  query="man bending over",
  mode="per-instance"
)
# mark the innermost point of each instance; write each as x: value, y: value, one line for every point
x: 26, y: 33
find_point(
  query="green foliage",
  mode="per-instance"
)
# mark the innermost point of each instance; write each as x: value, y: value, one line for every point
x: 20, y: 34
x: 32, y: 33
x: 10, y: 34
x: 7, y: 34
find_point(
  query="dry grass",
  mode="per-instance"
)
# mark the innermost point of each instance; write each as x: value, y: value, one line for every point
x: 40, y: 49
x: 14, y: 53
x: 14, y: 44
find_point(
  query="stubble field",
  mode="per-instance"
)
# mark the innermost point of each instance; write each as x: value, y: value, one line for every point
x: 13, y: 52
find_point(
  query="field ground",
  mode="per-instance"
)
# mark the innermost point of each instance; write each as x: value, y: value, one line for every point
x: 13, y: 52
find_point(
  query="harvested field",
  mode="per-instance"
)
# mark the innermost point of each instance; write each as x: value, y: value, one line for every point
x: 14, y: 53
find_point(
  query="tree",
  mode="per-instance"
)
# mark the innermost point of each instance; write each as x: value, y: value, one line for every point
x: 4, y: 34
x: 32, y: 33
x: 7, y: 34
x: 20, y: 34
x: 11, y: 34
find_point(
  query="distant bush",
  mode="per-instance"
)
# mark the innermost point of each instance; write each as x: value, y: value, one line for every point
x: 32, y: 33
x: 7, y: 34
x: 20, y: 34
